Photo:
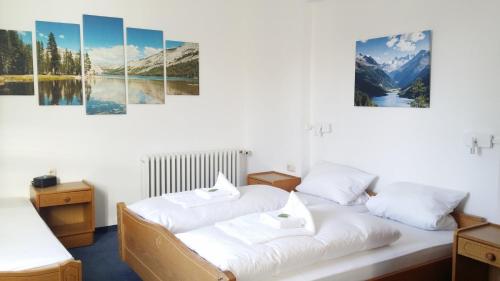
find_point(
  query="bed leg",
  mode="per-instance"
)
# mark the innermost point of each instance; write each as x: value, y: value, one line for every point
x: 70, y: 271
x: 121, y: 247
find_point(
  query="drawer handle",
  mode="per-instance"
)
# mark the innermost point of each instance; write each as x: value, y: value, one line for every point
x: 67, y: 199
x: 490, y: 256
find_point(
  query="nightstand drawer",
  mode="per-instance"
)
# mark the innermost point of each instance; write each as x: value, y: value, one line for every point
x: 251, y: 181
x: 479, y: 251
x: 57, y: 199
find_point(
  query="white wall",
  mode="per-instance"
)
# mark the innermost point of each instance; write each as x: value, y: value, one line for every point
x: 106, y: 149
x: 277, y: 90
x: 421, y: 145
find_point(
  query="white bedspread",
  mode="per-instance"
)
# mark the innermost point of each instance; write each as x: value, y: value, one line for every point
x: 25, y: 240
x: 339, y: 233
x: 255, y: 198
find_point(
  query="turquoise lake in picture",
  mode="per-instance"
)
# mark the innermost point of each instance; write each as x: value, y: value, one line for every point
x: 105, y: 94
x: 392, y: 99
x: 146, y: 89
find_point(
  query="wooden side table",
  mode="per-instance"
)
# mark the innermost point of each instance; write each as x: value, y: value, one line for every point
x: 476, y: 253
x: 279, y: 180
x: 68, y: 209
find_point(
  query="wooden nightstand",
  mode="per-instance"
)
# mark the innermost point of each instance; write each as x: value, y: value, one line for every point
x: 283, y: 181
x: 476, y: 253
x: 68, y: 209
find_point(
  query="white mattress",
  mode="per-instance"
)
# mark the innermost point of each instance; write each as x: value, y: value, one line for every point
x: 415, y: 246
x: 26, y: 242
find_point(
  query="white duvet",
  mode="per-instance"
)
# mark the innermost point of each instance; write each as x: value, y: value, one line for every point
x: 253, y: 199
x: 339, y: 232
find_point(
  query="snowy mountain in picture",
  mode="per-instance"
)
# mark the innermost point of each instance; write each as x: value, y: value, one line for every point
x: 182, y: 63
x: 183, y: 54
x: 151, y: 64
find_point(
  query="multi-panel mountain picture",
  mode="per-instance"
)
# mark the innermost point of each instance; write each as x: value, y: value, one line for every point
x: 58, y: 54
x: 394, y: 71
x: 16, y: 63
x: 183, y: 68
x: 145, y: 66
x: 104, y: 65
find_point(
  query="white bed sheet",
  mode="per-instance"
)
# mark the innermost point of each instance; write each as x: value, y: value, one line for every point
x: 26, y: 242
x: 415, y: 246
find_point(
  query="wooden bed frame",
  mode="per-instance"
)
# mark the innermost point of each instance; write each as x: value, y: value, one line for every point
x: 67, y: 271
x: 156, y: 254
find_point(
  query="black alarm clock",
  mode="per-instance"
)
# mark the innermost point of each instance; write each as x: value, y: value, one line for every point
x: 44, y: 181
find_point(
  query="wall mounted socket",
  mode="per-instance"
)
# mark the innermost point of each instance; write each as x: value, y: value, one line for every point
x: 290, y: 168
x: 53, y: 172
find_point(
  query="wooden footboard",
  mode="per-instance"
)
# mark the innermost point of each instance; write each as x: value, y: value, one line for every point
x: 155, y: 253
x: 68, y: 271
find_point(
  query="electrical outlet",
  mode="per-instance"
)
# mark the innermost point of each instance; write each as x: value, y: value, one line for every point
x: 290, y: 168
x: 53, y: 172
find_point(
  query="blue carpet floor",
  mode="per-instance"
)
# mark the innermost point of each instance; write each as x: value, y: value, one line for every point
x: 101, y: 261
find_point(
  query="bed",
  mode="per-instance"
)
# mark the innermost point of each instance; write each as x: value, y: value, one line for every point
x: 29, y: 250
x: 157, y: 254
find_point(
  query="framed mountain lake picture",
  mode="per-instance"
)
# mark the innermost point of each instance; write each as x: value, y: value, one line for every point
x: 104, y: 65
x: 182, y: 68
x: 58, y: 55
x: 394, y: 71
x: 16, y: 63
x: 145, y: 66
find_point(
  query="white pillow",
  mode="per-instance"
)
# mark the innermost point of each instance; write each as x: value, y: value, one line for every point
x: 360, y: 200
x: 418, y: 205
x: 339, y: 183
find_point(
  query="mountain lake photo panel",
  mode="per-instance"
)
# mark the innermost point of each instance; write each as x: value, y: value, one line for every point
x: 394, y: 71
x: 16, y: 63
x: 182, y: 68
x: 104, y: 65
x: 145, y: 66
x: 58, y: 55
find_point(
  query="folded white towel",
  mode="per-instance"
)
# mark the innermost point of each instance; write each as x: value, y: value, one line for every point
x: 222, y: 188
x: 251, y: 230
x: 296, y: 208
x: 222, y: 191
x: 280, y: 220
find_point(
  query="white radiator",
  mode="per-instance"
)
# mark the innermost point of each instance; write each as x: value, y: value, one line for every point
x: 175, y: 172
